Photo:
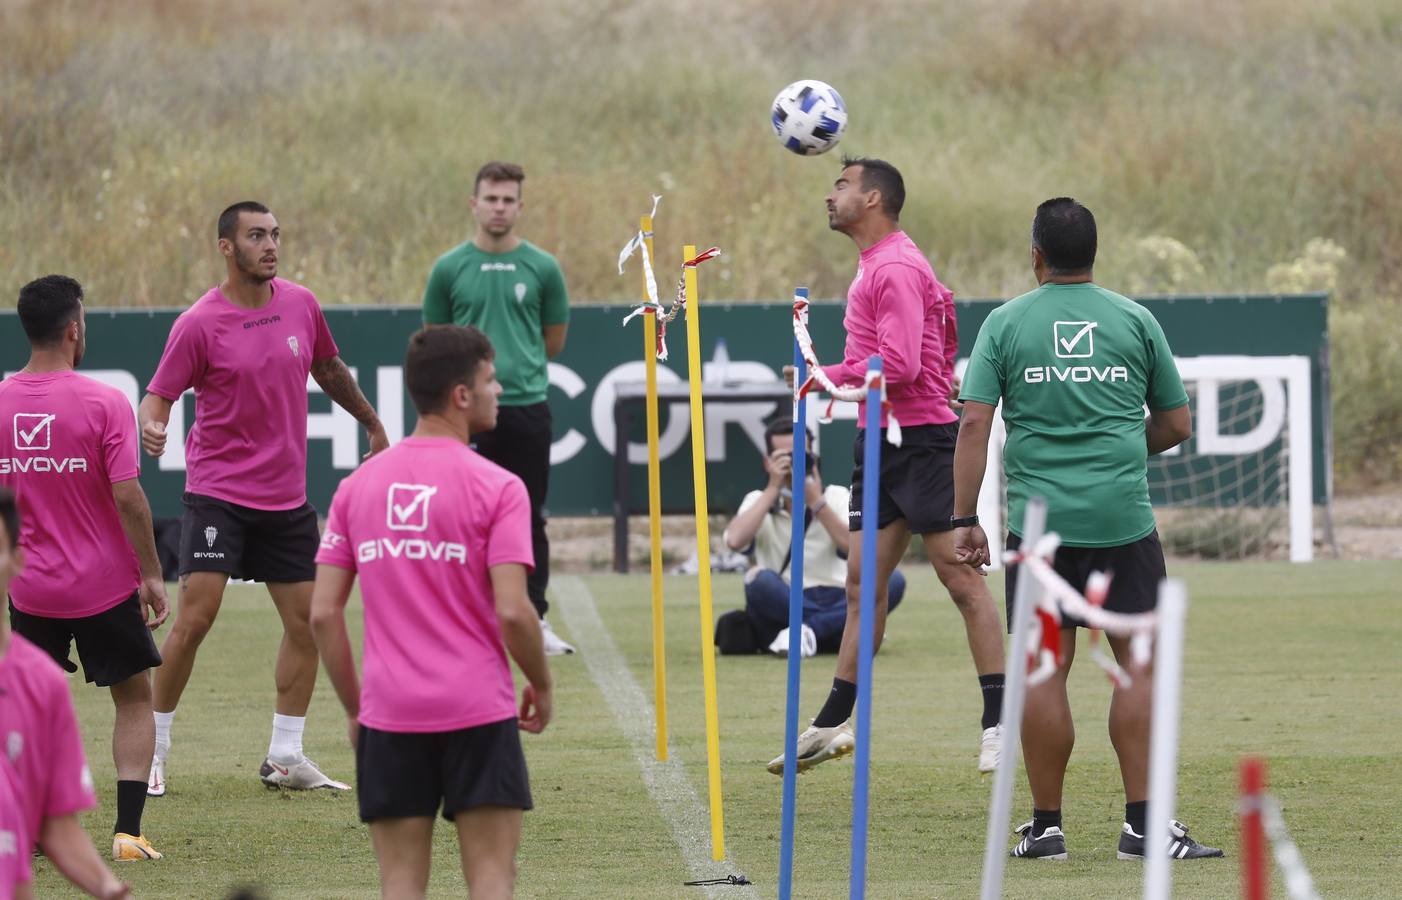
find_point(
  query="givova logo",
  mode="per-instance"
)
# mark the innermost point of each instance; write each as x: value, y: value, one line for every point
x: 33, y: 433
x: 408, y: 506
x: 408, y: 511
x: 1074, y: 340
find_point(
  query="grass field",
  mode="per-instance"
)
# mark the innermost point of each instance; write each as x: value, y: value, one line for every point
x: 1296, y: 662
x: 1215, y: 142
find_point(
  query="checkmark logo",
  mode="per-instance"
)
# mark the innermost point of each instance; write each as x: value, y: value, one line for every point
x: 1074, y: 340
x: 408, y: 506
x: 33, y: 430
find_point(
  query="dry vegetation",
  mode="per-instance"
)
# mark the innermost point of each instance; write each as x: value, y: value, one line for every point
x: 1214, y: 141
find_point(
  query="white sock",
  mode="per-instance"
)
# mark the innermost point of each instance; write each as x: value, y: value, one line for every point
x: 163, y: 721
x: 286, y: 745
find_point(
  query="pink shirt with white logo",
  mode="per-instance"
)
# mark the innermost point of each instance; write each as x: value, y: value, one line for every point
x: 422, y: 523
x: 39, y: 737
x: 64, y: 441
x: 249, y: 370
x: 898, y: 310
x: 15, y: 846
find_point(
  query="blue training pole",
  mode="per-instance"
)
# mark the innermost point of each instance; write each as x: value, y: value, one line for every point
x: 871, y: 488
x: 800, y: 468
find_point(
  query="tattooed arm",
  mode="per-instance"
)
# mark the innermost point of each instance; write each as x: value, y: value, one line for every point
x: 338, y: 384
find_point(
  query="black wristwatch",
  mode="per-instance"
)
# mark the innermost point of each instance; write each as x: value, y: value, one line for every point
x: 963, y: 521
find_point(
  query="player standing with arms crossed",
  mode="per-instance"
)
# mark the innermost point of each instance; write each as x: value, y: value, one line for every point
x: 42, y: 766
x: 246, y: 347
x: 515, y: 292
x: 1083, y: 444
x: 897, y: 308
x: 441, y: 540
x: 68, y: 451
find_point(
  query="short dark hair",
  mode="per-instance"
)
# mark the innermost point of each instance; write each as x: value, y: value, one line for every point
x: 229, y: 218
x: 781, y: 424
x: 9, y: 514
x: 497, y: 170
x: 440, y: 357
x: 879, y: 175
x: 1064, y: 231
x: 47, y: 305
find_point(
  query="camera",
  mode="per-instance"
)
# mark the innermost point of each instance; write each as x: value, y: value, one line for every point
x: 810, y: 462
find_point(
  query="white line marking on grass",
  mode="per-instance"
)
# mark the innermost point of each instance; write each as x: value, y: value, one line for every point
x: 666, y: 781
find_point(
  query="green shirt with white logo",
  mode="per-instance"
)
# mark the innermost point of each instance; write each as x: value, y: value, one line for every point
x: 511, y: 296
x: 1075, y: 365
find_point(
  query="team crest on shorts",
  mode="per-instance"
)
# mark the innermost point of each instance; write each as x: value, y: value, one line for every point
x: 210, y: 533
x: 292, y: 344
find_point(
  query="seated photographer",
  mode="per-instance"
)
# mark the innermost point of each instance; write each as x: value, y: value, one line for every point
x: 763, y: 528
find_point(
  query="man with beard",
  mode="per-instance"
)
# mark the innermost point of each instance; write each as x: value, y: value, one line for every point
x: 898, y: 309
x: 68, y: 451
x: 246, y: 347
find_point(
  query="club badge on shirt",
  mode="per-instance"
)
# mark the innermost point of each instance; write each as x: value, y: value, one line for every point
x: 292, y: 343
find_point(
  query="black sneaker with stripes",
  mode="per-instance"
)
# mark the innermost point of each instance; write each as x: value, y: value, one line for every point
x: 1180, y: 846
x: 1050, y: 844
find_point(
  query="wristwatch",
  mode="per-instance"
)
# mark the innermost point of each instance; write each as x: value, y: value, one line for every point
x: 963, y: 521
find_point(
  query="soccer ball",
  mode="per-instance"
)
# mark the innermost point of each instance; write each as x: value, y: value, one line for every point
x: 809, y: 117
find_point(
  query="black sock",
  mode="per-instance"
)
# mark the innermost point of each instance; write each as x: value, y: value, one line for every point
x: 131, y: 802
x: 1135, y: 813
x: 838, y: 708
x: 1042, y: 819
x: 992, y: 686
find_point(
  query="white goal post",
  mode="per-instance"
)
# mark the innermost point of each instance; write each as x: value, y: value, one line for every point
x: 1283, y: 415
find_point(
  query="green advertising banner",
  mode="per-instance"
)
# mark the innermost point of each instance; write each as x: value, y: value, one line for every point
x: 742, y: 344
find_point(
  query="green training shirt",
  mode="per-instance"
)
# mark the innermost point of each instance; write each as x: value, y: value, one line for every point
x: 1074, y: 365
x: 510, y: 296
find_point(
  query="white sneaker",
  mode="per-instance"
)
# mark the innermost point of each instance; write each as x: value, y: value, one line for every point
x: 302, y: 775
x: 990, y: 748
x: 817, y: 745
x: 156, y: 783
x: 554, y: 644
x: 807, y: 643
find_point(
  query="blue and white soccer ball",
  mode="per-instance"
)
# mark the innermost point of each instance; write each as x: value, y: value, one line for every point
x: 809, y: 117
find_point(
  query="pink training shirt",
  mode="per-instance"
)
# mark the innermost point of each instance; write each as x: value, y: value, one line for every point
x: 15, y: 847
x: 422, y: 523
x: 898, y: 310
x: 249, y: 370
x: 39, y: 737
x: 64, y: 441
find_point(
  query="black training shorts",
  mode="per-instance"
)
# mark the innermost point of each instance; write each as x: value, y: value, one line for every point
x: 113, y: 645
x: 403, y: 774
x: 257, y: 544
x: 1137, y: 568
x: 917, y: 479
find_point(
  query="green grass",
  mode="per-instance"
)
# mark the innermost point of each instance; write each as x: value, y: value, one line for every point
x: 1236, y: 133
x: 1296, y: 662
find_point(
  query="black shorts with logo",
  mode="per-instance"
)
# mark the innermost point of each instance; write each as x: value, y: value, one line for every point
x: 256, y: 544
x: 917, y: 479
x: 113, y: 645
x: 1137, y: 568
x: 402, y: 774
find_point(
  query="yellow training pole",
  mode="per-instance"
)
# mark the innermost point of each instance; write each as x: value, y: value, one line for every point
x: 703, y: 553
x: 654, y: 508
